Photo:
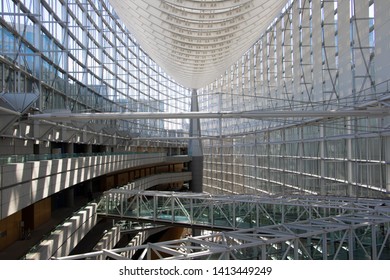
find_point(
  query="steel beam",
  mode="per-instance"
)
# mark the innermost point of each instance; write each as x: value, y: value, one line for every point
x: 256, y: 114
x: 271, y: 240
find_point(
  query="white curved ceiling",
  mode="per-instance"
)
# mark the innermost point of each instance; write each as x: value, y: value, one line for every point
x: 195, y: 41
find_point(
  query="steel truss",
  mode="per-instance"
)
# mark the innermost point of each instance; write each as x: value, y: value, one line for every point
x: 311, y: 228
x: 255, y: 114
x: 226, y: 212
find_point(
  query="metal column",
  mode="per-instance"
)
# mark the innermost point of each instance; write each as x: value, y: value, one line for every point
x: 195, y: 148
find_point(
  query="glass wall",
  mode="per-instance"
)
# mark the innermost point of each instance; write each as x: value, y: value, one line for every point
x: 316, y: 56
x: 79, y: 57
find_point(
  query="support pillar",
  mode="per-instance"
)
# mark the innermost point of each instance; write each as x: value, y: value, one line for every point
x: 387, y: 166
x: 69, y: 197
x: 195, y: 148
x: 323, y: 188
x: 89, y: 190
x: 352, y: 188
x: 69, y: 149
x: 88, y: 149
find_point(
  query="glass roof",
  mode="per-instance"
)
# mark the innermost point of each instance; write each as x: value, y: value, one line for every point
x: 196, y: 41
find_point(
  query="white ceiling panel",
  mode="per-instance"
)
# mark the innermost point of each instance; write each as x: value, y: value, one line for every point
x: 195, y: 41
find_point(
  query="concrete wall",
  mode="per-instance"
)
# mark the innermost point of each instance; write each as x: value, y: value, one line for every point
x: 108, y: 241
x: 137, y: 240
x: 23, y: 184
x: 65, y: 238
x: 14, y: 146
x: 158, y: 179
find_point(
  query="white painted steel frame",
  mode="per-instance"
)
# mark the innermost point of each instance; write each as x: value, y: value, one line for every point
x: 226, y: 211
x: 82, y: 58
x: 318, y: 55
x: 360, y: 235
x: 258, y: 114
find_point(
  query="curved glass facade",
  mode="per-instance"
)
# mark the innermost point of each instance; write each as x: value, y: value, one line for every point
x: 317, y: 56
x: 78, y: 57
x: 301, y: 183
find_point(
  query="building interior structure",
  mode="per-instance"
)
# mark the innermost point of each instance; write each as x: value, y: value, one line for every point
x: 195, y: 129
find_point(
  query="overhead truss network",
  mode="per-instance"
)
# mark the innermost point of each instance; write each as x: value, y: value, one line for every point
x: 255, y: 227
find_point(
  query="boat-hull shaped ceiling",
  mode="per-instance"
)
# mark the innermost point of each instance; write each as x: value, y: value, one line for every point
x: 195, y: 41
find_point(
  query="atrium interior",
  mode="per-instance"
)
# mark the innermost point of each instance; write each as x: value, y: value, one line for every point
x: 195, y: 129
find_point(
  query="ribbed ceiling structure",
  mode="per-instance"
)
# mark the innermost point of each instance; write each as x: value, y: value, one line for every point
x: 195, y: 41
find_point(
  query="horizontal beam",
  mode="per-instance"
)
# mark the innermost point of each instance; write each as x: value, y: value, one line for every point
x: 255, y: 114
x: 8, y: 112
